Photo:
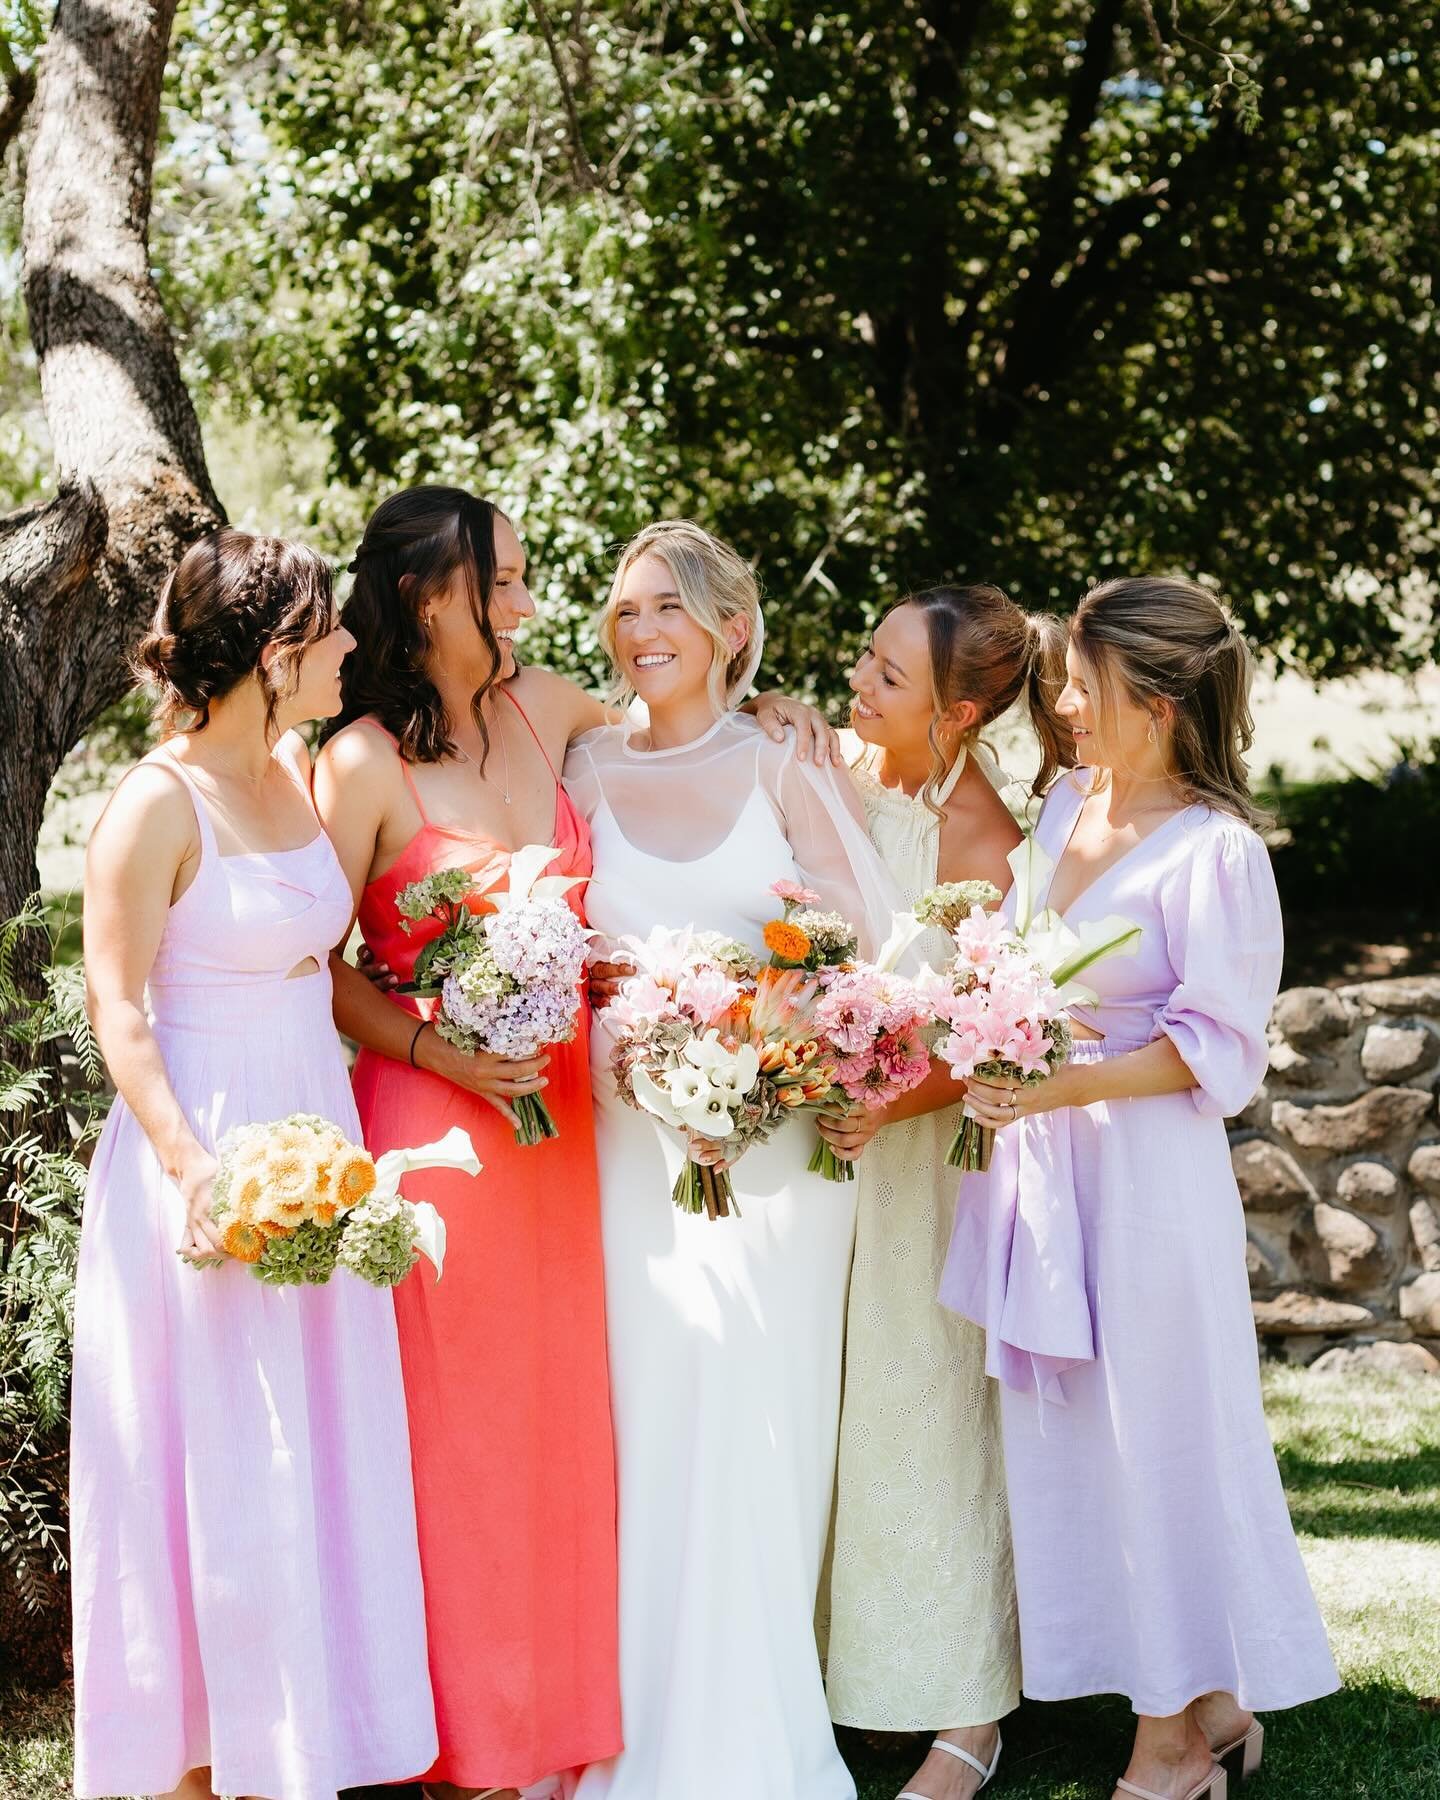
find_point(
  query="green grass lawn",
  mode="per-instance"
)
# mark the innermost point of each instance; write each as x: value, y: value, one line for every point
x: 1361, y: 1460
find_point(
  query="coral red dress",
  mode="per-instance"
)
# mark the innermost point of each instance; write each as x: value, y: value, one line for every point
x: 506, y: 1382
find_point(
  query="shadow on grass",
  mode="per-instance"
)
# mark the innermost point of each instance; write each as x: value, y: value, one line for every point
x: 1373, y: 1741
x: 1389, y: 1497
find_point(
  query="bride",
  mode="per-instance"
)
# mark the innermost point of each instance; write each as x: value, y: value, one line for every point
x: 725, y: 1335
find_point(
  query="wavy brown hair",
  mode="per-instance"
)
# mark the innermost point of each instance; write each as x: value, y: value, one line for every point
x: 431, y: 534
x: 1169, y: 643
x: 985, y: 648
x: 231, y: 597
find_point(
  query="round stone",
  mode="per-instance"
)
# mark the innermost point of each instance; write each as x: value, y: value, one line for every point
x: 1373, y: 1186
x: 1396, y: 1052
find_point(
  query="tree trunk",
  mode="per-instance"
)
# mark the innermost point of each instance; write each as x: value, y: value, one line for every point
x: 79, y: 575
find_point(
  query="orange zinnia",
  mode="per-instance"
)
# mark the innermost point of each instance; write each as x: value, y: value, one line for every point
x: 246, y: 1243
x: 786, y: 940
x: 354, y: 1178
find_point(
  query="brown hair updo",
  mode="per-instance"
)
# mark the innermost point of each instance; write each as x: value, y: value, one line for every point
x: 1162, y: 639
x: 232, y: 596
x: 985, y: 648
x: 429, y: 533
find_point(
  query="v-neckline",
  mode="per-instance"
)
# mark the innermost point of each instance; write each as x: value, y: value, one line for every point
x: 1085, y: 794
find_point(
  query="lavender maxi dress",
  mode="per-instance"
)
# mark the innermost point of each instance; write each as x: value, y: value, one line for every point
x: 1105, y: 1254
x: 246, y: 1579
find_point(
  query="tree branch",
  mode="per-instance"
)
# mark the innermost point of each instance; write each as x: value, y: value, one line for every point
x: 14, y: 104
x: 583, y: 168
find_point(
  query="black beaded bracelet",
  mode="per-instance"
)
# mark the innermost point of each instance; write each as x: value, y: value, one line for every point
x: 415, y: 1040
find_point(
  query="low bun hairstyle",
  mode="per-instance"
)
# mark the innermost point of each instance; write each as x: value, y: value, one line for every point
x: 1167, y: 641
x: 429, y: 533
x: 986, y: 649
x: 231, y: 597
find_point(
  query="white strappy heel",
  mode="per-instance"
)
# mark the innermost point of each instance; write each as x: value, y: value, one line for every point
x: 1213, y: 1787
x: 1242, y: 1757
x: 975, y: 1763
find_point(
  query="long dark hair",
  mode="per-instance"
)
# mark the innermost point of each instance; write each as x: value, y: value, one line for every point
x: 429, y: 533
x: 985, y: 648
x: 232, y: 596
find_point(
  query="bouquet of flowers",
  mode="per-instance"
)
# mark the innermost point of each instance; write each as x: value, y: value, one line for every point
x: 295, y: 1199
x: 508, y: 977
x: 872, y: 1021
x: 1004, y: 996
x: 721, y: 1046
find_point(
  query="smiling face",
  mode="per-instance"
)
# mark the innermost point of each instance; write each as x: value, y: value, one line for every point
x: 661, y: 651
x: 450, y: 622
x: 894, y: 688
x: 1112, y: 730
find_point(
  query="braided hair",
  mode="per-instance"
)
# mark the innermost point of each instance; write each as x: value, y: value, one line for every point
x: 233, y: 596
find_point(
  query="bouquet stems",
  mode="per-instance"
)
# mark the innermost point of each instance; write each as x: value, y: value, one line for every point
x: 701, y: 1189
x: 824, y: 1161
x: 971, y: 1147
x: 532, y: 1120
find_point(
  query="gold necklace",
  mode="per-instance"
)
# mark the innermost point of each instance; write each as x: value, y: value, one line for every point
x: 465, y: 755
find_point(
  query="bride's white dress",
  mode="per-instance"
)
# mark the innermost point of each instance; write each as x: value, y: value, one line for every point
x: 725, y: 1335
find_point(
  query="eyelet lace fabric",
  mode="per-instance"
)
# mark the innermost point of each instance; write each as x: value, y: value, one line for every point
x: 917, y: 1608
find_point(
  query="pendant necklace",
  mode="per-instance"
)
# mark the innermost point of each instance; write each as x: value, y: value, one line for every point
x: 465, y: 755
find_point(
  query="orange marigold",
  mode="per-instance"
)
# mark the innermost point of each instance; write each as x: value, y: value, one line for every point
x: 246, y: 1243
x: 787, y: 941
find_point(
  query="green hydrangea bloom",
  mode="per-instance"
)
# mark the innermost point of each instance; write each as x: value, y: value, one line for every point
x: 378, y: 1242
x: 308, y: 1254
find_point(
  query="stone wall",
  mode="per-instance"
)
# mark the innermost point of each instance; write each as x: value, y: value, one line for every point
x: 1338, y: 1161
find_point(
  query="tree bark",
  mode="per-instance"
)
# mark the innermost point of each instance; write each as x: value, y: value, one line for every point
x: 79, y: 575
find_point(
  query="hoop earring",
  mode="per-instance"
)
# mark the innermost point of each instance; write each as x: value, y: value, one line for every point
x: 1150, y: 734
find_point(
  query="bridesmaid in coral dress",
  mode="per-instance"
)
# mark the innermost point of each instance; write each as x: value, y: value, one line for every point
x: 440, y: 765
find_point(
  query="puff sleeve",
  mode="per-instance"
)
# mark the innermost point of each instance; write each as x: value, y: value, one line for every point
x: 1225, y: 942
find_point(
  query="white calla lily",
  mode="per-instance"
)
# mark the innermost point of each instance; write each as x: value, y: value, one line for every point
x: 429, y: 1237
x: 905, y: 929
x: 1032, y: 868
x: 652, y: 1096
x: 525, y: 880
x: 709, y: 1116
x: 453, y: 1151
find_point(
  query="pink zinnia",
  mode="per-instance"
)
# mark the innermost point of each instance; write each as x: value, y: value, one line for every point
x: 795, y: 893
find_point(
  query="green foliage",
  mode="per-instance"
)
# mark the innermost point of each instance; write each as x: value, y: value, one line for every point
x: 1365, y: 841
x: 887, y: 294
x: 50, y: 1108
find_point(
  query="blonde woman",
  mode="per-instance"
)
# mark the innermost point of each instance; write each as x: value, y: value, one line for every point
x: 918, y: 1612
x: 1106, y: 1249
x: 725, y: 1335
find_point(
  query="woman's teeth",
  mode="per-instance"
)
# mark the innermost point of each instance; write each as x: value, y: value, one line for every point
x: 652, y: 662
x: 865, y: 712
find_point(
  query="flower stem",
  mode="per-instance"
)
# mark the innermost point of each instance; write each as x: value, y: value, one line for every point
x: 532, y: 1120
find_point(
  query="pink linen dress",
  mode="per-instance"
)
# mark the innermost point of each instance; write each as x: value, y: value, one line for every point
x: 1105, y: 1255
x: 245, y: 1576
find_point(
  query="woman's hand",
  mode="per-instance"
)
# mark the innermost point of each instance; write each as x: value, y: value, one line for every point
x: 200, y: 1241
x: 847, y: 1133
x: 497, y: 1080
x: 997, y: 1104
x: 605, y: 979
x: 377, y: 973
x: 813, y: 733
x: 709, y: 1152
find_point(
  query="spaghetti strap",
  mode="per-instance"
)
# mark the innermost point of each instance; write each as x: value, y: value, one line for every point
x: 533, y: 732
x: 208, y: 845
x: 394, y: 742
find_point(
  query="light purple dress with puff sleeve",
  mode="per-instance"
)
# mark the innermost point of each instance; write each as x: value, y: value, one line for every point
x: 1105, y: 1255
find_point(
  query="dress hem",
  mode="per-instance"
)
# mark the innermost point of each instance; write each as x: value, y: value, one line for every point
x: 873, y: 1723
x: 446, y: 1769
x: 1167, y: 1707
x: 234, y: 1781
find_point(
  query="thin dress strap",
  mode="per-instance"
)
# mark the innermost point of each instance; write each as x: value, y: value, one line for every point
x: 533, y: 732
x: 208, y: 844
x: 394, y: 742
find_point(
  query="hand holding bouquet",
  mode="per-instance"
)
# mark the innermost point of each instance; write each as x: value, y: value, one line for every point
x: 295, y: 1200
x: 508, y: 977
x: 1004, y: 995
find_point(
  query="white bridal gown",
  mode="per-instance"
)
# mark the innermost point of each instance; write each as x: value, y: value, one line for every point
x: 725, y: 1335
